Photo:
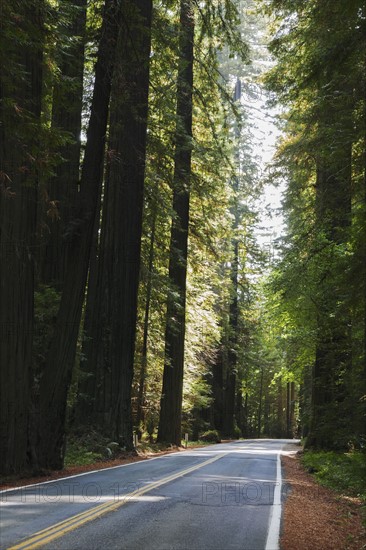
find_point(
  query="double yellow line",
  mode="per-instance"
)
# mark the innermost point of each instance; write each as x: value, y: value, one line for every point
x: 60, y: 529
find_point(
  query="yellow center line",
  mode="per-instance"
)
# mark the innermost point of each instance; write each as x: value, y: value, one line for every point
x: 62, y: 528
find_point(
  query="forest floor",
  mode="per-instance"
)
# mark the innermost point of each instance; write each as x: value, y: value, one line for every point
x: 314, y: 517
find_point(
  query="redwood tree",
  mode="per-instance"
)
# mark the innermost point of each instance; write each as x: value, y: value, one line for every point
x: 105, y: 392
x: 60, y: 359
x: 20, y: 164
x: 128, y: 130
x: 171, y: 400
x: 67, y: 102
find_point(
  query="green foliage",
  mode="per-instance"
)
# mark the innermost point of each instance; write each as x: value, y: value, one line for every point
x: 210, y: 436
x: 315, y: 289
x: 79, y: 456
x: 237, y: 432
x: 198, y: 443
x: 343, y: 472
x: 210, y: 217
x: 86, y: 446
x: 46, y: 304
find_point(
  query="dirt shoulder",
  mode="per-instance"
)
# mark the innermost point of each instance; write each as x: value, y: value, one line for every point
x: 315, y: 517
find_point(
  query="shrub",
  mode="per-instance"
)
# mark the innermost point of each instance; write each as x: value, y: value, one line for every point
x: 79, y: 456
x: 211, y: 436
x: 237, y: 432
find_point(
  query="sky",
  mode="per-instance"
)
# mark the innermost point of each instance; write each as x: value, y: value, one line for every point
x: 265, y: 132
x: 271, y: 222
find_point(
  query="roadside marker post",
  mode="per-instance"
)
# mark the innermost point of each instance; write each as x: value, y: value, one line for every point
x: 186, y: 439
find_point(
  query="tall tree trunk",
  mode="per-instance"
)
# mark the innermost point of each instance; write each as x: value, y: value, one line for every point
x: 172, y: 392
x: 280, y: 432
x: 229, y: 411
x: 364, y: 240
x: 128, y: 131
x: 292, y: 409
x: 239, y: 410
x: 66, y: 116
x: 333, y: 349
x: 230, y: 386
x: 94, y: 386
x: 260, y: 406
x: 246, y: 412
x: 60, y: 359
x: 288, y: 414
x: 143, y: 367
x: 218, y: 389
x: 20, y: 108
x: 266, y: 416
x: 111, y: 311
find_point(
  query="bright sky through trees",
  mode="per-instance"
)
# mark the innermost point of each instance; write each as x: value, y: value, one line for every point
x: 265, y: 135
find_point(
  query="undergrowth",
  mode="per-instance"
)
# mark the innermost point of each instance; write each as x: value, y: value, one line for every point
x: 343, y: 472
x: 86, y: 450
x: 79, y: 456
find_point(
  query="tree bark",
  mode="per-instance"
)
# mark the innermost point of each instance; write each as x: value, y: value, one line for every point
x: 106, y: 376
x: 364, y: 240
x: 288, y: 414
x: 21, y: 85
x: 60, y: 359
x: 143, y: 368
x: 128, y: 131
x: 218, y: 389
x: 172, y: 392
x: 66, y: 116
x: 230, y: 386
x: 245, y: 431
x: 259, y: 426
x: 333, y: 360
x: 93, y: 406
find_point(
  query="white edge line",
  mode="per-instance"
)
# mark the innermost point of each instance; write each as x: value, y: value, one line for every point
x: 167, y: 455
x: 14, y: 489
x: 273, y: 536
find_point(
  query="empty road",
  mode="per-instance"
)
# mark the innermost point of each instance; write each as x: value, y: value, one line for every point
x: 219, y: 497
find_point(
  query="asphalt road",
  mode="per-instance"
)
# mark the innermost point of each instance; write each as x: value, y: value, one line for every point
x: 219, y: 497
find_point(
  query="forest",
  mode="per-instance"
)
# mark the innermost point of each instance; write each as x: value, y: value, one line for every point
x: 137, y: 298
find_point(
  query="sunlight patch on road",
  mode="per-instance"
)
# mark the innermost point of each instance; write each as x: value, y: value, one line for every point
x: 60, y: 529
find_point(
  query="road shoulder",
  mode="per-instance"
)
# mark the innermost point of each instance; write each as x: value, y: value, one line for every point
x: 316, y: 517
x: 13, y: 482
